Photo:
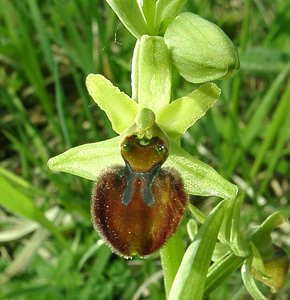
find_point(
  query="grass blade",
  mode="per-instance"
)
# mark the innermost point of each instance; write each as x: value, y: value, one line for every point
x: 17, y: 202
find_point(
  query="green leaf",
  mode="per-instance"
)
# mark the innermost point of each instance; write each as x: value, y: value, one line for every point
x: 201, y: 51
x: 220, y: 271
x: 154, y: 73
x: 131, y: 16
x: 166, y: 10
x: 182, y: 113
x: 171, y: 256
x: 198, y: 177
x: 88, y: 160
x: 17, y: 202
x: 120, y: 108
x: 220, y: 251
x: 191, y: 276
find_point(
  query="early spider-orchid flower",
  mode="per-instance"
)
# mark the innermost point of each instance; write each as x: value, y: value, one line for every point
x: 143, y: 176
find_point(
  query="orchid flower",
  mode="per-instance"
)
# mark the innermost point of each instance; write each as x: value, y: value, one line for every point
x: 90, y: 160
x: 153, y: 115
x: 143, y: 176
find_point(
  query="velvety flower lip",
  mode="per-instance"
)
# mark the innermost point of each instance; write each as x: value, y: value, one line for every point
x: 90, y: 160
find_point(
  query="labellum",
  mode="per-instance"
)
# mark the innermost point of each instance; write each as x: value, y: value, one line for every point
x: 137, y: 208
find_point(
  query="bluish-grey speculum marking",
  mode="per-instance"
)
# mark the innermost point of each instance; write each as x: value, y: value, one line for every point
x: 146, y: 179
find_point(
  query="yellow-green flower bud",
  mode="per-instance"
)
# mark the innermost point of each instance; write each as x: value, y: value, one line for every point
x: 201, y: 51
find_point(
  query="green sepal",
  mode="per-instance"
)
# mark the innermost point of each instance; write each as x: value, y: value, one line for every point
x: 191, y: 276
x: 187, y: 110
x: 153, y: 73
x: 201, y: 51
x: 120, y: 108
x: 131, y: 15
x: 199, y: 178
x: 88, y: 160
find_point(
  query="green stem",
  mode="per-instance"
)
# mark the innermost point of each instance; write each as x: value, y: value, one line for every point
x: 171, y: 256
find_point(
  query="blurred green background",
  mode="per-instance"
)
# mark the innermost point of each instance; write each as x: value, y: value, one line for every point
x: 48, y: 248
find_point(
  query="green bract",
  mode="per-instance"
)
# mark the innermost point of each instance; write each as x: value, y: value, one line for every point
x: 131, y: 15
x: 201, y: 51
x: 146, y: 16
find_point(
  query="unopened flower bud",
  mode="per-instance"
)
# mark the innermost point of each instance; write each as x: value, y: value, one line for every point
x: 201, y: 51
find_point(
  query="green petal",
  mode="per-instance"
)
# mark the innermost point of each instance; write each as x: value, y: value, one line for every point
x: 182, y: 113
x: 198, y: 177
x: 154, y: 73
x: 120, y: 108
x: 88, y: 160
